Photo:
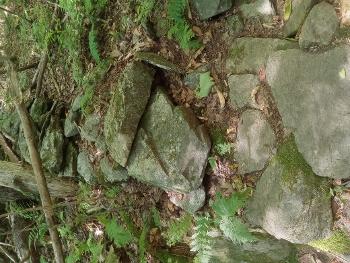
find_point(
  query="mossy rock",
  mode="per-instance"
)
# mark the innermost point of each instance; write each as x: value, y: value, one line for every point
x: 291, y: 202
x: 338, y: 243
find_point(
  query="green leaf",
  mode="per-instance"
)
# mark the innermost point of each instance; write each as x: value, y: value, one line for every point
x: 342, y: 73
x: 178, y: 229
x: 93, y: 45
x: 143, y: 240
x: 287, y: 9
x: 212, y: 162
x: 228, y: 206
x: 205, y: 85
x: 117, y: 233
x: 235, y: 230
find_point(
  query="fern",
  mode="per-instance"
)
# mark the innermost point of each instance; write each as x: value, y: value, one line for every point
x: 235, y: 230
x: 143, y: 241
x: 228, y: 206
x: 178, y: 229
x: 144, y: 10
x: 118, y: 234
x: 201, y: 242
x: 93, y: 45
x: 179, y: 27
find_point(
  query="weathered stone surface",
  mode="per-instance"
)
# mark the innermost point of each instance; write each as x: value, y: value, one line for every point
x: 37, y: 111
x: 158, y: 61
x: 113, y: 172
x: 319, y: 26
x: 264, y: 250
x: 70, y: 161
x: 76, y: 103
x: 210, y: 8
x: 241, y: 88
x: 91, y: 128
x: 191, y: 79
x: 70, y: 126
x: 262, y: 9
x: 234, y: 26
x: 126, y: 108
x: 255, y: 142
x: 85, y: 168
x: 9, y: 123
x: 171, y: 147
x: 300, y: 9
x: 291, y: 202
x: 312, y: 94
x: 51, y: 151
x: 345, y: 12
x: 190, y: 202
x: 249, y: 55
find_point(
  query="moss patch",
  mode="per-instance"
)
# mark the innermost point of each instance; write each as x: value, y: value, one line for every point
x: 339, y: 242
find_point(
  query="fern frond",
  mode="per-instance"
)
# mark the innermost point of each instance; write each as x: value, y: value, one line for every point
x: 144, y: 10
x: 178, y: 229
x: 235, y: 230
x: 228, y: 206
x: 120, y: 236
x: 176, y: 10
x: 201, y: 241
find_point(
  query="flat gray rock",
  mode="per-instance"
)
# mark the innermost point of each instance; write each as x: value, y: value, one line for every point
x: 264, y: 250
x: 241, y: 88
x: 85, y: 168
x: 126, y: 107
x: 209, y: 8
x: 70, y: 126
x: 171, y: 147
x: 255, y: 142
x: 70, y: 161
x: 319, y: 26
x: 291, y: 202
x: 249, y: 55
x: 113, y: 172
x: 300, y: 9
x: 312, y: 94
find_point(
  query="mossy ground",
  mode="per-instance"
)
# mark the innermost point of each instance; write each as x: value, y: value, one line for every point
x: 339, y: 242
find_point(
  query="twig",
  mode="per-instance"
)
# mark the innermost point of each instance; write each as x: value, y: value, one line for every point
x: 7, y: 253
x: 41, y: 69
x: 30, y: 66
x: 12, y: 156
x: 36, y: 162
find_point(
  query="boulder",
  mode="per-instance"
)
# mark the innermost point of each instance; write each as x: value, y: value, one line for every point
x: 234, y: 26
x: 261, y: 9
x: 171, y: 147
x: 265, y: 250
x: 51, y: 151
x: 113, y: 172
x: 190, y: 202
x: 70, y: 161
x: 85, y: 168
x: 255, y: 142
x: 37, y: 111
x: 209, y: 8
x: 312, y: 95
x: 9, y: 123
x: 249, y: 55
x: 70, y: 126
x: 319, y: 26
x: 291, y: 202
x: 241, y: 88
x: 300, y: 9
x: 126, y: 107
x: 91, y: 128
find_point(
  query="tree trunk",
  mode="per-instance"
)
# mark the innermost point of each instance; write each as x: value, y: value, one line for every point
x: 22, y: 179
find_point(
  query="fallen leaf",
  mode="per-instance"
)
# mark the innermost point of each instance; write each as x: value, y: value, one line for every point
x: 342, y: 73
x: 205, y: 85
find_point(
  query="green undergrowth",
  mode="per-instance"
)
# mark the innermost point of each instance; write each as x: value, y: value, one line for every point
x: 338, y: 242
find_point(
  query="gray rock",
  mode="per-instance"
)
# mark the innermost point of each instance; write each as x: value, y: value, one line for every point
x: 76, y: 103
x: 51, y: 151
x: 190, y: 202
x: 171, y: 147
x: 312, y: 94
x: 85, y: 168
x: 70, y: 161
x: 70, y: 126
x: 209, y: 8
x: 158, y: 61
x: 113, y: 172
x: 22, y: 144
x: 126, y: 108
x: 249, y: 55
x: 264, y: 250
x: 9, y: 123
x: 262, y: 9
x: 37, y: 111
x: 319, y: 26
x: 234, y: 25
x: 191, y: 79
x: 300, y: 9
x: 255, y: 142
x: 291, y: 202
x: 241, y: 88
x: 91, y: 128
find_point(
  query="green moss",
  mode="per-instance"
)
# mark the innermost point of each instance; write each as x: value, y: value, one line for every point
x: 339, y: 242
